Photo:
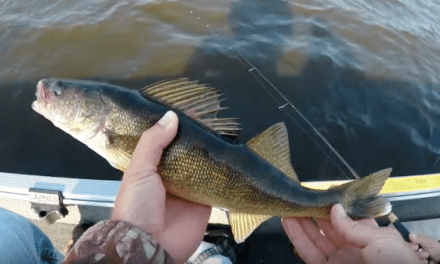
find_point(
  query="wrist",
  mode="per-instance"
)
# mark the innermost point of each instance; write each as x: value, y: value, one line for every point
x: 117, y: 242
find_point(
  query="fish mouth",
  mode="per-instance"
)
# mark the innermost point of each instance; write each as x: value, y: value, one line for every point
x: 41, y: 94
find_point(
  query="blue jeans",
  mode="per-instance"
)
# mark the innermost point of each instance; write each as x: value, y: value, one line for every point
x: 23, y: 242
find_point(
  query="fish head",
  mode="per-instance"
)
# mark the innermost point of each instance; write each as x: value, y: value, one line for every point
x: 76, y: 107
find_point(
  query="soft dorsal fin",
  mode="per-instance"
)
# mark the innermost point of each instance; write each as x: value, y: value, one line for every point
x: 242, y: 225
x: 273, y: 146
x: 198, y: 101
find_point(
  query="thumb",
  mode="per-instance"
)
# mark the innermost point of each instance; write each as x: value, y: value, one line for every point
x: 149, y: 149
x: 355, y: 232
x: 141, y: 197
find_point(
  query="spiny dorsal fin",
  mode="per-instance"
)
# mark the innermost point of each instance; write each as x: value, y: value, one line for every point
x: 243, y: 225
x: 198, y: 101
x: 273, y: 146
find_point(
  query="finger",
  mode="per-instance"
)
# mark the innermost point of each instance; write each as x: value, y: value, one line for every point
x: 353, y: 231
x: 319, y: 239
x: 369, y: 222
x: 305, y: 247
x: 330, y: 231
x: 423, y: 241
x: 336, y: 237
x: 149, y: 149
x: 422, y: 254
x: 414, y: 247
x: 428, y: 244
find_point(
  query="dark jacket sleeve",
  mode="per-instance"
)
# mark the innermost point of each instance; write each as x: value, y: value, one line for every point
x: 116, y: 242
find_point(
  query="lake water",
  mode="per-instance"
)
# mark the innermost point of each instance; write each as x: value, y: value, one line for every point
x: 365, y: 73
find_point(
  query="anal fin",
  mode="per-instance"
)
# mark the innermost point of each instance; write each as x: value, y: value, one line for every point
x: 243, y: 225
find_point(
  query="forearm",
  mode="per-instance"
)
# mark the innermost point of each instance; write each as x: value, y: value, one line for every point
x: 116, y: 242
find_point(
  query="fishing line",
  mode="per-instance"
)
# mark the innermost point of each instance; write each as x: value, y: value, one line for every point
x: 254, y: 71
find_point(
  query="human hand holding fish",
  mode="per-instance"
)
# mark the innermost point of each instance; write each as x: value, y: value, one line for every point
x: 343, y: 240
x: 176, y: 224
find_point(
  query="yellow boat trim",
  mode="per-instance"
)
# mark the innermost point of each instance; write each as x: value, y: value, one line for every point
x: 393, y: 185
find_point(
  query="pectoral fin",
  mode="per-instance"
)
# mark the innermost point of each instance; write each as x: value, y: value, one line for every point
x: 243, y: 225
x: 128, y: 142
x: 120, y: 148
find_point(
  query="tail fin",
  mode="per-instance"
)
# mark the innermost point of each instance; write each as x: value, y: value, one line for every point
x: 360, y: 199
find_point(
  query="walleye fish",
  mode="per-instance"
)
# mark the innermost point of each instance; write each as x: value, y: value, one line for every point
x: 254, y: 180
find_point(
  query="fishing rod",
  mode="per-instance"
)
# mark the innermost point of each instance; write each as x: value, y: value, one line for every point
x: 285, y: 105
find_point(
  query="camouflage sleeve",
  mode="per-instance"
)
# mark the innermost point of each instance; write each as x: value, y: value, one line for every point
x: 116, y: 242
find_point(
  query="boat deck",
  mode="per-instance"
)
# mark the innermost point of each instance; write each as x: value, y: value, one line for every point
x: 415, y: 200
